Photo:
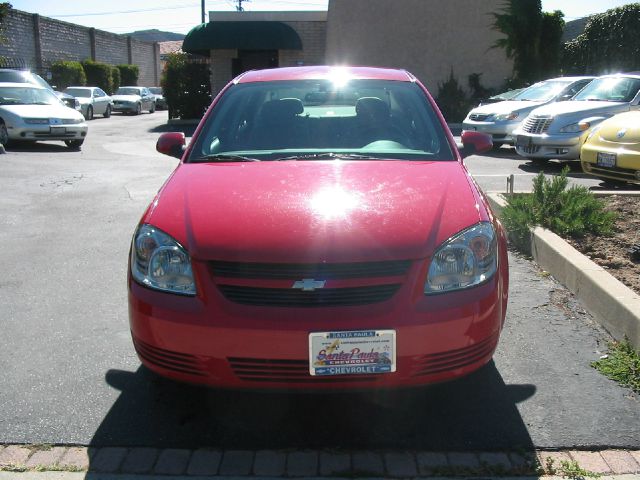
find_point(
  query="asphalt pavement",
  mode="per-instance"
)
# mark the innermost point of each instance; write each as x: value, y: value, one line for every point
x: 70, y: 374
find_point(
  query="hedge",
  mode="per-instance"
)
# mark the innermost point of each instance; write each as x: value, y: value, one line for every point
x: 129, y: 74
x: 66, y: 73
x: 98, y: 75
x: 115, y: 78
x: 186, y: 87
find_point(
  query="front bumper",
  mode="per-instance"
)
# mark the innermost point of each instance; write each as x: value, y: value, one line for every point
x: 124, y: 107
x: 501, y: 132
x: 626, y: 167
x: 564, y: 146
x: 211, y: 340
x: 47, y: 132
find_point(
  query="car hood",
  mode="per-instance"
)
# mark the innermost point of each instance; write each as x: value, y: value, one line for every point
x: 84, y: 100
x: 126, y: 98
x: 42, y: 111
x: 315, y: 210
x: 622, y: 129
x: 506, y: 107
x: 581, y: 108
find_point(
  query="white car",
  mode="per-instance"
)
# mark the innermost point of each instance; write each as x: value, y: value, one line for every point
x: 30, y: 113
x: 134, y: 100
x: 93, y: 100
x: 502, y: 118
x: 559, y: 130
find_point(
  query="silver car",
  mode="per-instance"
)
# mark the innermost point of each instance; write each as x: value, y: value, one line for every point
x: 93, y: 101
x: 31, y: 113
x: 134, y: 100
x: 502, y: 118
x: 559, y: 130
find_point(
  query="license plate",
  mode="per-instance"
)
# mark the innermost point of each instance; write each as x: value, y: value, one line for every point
x: 606, y: 159
x: 358, y: 352
x: 523, y: 141
x: 58, y: 130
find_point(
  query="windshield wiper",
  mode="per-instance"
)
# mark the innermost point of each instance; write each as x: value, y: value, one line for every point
x: 224, y: 158
x: 327, y: 156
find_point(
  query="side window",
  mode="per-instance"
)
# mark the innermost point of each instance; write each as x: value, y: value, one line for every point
x: 99, y: 93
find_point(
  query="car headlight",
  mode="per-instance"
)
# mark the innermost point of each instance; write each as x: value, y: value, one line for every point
x: 36, y: 121
x: 467, y: 259
x: 507, y: 116
x: 160, y: 262
x: 575, y: 127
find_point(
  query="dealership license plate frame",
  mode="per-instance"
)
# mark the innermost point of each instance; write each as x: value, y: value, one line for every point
x: 57, y: 130
x: 607, y: 160
x: 376, y: 355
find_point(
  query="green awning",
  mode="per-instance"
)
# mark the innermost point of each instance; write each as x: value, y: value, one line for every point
x: 242, y: 36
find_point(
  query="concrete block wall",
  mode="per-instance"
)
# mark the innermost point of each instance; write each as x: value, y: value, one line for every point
x: 35, y: 42
x: 314, y: 39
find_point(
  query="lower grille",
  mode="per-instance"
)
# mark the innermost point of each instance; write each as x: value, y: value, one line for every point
x: 442, y: 362
x: 326, y: 297
x: 54, y: 135
x: 285, y: 371
x: 626, y: 174
x: 177, y: 362
x: 530, y: 149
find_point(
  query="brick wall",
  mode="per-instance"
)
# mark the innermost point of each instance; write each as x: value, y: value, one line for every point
x: 221, y: 64
x: 37, y: 48
x: 314, y: 38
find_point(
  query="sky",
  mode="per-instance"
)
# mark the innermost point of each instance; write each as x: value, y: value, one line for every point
x: 124, y: 16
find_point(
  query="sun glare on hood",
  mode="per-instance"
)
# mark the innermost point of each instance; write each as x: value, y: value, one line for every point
x: 333, y: 203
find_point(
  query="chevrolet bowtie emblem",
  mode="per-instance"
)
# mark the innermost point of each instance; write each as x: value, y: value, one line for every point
x: 308, y: 284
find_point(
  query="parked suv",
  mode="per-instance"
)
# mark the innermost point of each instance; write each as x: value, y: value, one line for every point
x: 559, y: 130
x: 502, y: 118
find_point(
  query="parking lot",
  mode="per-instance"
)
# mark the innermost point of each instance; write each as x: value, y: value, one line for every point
x: 71, y: 376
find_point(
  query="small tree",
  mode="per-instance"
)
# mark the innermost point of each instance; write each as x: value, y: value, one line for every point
x: 186, y: 86
x: 129, y: 74
x: 67, y: 73
x: 98, y: 75
x: 452, y: 100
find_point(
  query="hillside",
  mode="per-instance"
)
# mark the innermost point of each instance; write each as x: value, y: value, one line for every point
x: 155, y: 35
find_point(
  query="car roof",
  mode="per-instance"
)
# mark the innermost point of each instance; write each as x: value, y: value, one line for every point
x: 81, y: 87
x: 22, y: 85
x: 324, y: 72
x: 570, y: 79
x: 616, y: 75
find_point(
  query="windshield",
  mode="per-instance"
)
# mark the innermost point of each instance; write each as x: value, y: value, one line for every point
x: 128, y: 91
x: 542, y: 91
x: 155, y: 90
x: 610, y: 89
x: 27, y: 96
x: 78, y: 92
x: 316, y: 119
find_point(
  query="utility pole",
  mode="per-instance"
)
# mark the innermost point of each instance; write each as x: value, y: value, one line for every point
x: 239, y: 7
x: 202, y: 3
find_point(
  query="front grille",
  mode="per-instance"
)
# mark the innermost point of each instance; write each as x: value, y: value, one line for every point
x: 177, y: 362
x: 323, y: 271
x: 326, y: 297
x: 285, y: 371
x: 442, y: 362
x: 479, y: 117
x: 537, y: 124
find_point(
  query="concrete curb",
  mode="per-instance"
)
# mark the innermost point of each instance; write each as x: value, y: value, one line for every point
x: 614, y: 305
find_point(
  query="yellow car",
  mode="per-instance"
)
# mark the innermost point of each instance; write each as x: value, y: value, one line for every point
x: 612, y: 149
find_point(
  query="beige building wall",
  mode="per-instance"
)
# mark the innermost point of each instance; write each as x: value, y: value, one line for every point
x: 427, y: 37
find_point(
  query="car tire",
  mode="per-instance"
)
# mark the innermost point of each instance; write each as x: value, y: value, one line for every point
x: 107, y: 112
x: 74, y: 144
x: 153, y: 107
x: 138, y: 109
x: 4, y: 134
x: 89, y: 113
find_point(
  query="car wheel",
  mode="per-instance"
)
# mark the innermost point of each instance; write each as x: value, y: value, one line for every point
x: 138, y: 109
x: 107, y: 112
x: 89, y: 115
x: 4, y: 134
x: 153, y: 108
x: 74, y: 144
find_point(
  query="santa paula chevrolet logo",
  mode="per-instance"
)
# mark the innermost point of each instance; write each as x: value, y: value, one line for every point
x: 309, y: 284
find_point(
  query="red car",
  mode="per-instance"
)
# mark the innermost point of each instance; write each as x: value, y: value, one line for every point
x: 320, y: 232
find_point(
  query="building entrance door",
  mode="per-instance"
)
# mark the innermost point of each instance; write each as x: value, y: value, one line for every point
x: 254, y: 60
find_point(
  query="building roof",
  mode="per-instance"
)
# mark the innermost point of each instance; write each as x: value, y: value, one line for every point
x: 325, y: 72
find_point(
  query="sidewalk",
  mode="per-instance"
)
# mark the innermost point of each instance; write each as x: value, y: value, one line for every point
x: 59, y: 462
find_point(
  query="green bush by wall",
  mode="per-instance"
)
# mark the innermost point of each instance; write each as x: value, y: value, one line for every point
x: 186, y: 87
x: 129, y: 74
x: 98, y: 75
x: 65, y: 74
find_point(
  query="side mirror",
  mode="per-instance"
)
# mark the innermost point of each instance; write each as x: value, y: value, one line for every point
x: 474, y: 142
x: 171, y: 143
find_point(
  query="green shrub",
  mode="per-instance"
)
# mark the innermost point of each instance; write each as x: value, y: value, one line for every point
x: 622, y: 364
x: 129, y: 74
x: 186, y: 87
x: 452, y: 100
x: 65, y: 74
x: 571, y: 212
x: 98, y: 75
x: 115, y: 78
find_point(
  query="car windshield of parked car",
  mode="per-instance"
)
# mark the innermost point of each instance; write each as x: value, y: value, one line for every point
x: 156, y: 90
x: 610, y: 89
x: 27, y: 96
x: 319, y: 119
x: 78, y: 92
x: 128, y: 91
x: 542, y: 91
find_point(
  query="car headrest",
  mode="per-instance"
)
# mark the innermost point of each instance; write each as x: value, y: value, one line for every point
x: 281, y: 109
x: 372, y: 108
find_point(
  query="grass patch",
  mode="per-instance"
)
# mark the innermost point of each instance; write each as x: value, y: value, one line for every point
x: 567, y: 211
x: 622, y: 364
x: 566, y: 469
